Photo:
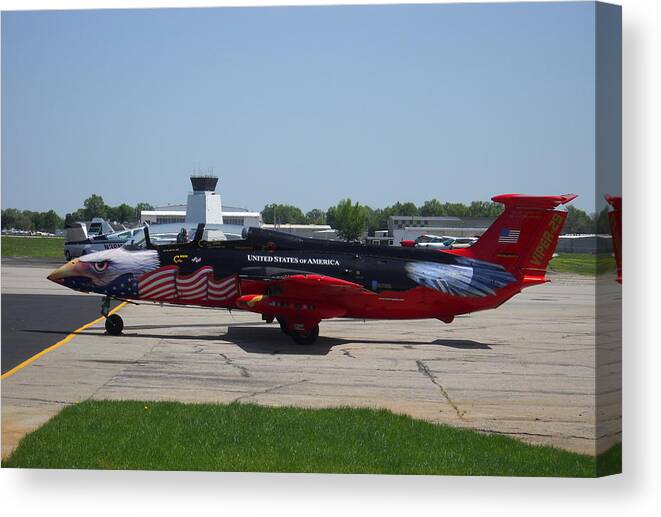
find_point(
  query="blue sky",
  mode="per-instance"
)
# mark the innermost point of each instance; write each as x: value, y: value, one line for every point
x: 299, y: 105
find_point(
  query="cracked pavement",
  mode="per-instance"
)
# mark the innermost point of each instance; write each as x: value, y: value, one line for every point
x: 527, y: 369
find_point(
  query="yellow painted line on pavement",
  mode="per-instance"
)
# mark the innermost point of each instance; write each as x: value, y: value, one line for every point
x: 58, y: 344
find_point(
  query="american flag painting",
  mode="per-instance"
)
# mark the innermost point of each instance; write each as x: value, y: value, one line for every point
x: 159, y: 284
x: 166, y: 284
x: 509, y: 236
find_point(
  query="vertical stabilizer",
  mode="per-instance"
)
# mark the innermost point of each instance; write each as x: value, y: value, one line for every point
x: 524, y: 237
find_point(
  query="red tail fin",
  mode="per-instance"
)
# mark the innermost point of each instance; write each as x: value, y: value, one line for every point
x: 524, y: 236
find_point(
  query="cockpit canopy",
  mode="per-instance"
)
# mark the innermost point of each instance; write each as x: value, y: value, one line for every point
x: 183, y: 233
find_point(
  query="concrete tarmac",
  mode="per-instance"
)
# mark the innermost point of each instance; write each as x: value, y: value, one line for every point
x: 35, y: 315
x: 526, y: 369
x: 33, y: 322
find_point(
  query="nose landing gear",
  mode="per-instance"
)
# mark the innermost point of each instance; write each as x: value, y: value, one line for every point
x: 114, y: 322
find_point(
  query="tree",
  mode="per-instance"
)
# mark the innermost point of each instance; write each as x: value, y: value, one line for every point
x: 432, y: 208
x: 9, y: 217
x: 35, y: 217
x: 24, y: 221
x: 316, y: 216
x: 376, y: 220
x: 51, y: 221
x: 407, y: 208
x: 282, y: 214
x: 455, y: 209
x: 330, y: 217
x: 139, y: 208
x: 124, y: 213
x: 78, y: 215
x: 485, y: 209
x: 111, y: 213
x: 350, y: 219
x: 578, y: 221
x: 95, y: 207
x: 601, y: 223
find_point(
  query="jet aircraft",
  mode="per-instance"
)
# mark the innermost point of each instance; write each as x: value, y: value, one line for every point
x: 299, y: 282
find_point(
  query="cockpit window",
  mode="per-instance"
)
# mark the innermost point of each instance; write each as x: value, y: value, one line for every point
x: 94, y: 229
x: 167, y: 234
x: 137, y: 241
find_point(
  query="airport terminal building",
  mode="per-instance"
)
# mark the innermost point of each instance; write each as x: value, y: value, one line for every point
x: 204, y: 205
x: 172, y: 214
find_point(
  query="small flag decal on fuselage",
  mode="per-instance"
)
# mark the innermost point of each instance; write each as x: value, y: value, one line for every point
x: 509, y: 236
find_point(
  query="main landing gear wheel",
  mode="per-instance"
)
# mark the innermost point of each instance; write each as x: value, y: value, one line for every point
x: 114, y: 324
x: 306, y: 338
x: 67, y: 255
x: 283, y: 326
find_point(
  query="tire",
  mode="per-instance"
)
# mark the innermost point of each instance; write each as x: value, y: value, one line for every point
x: 301, y: 338
x: 283, y: 325
x: 114, y: 324
x: 67, y: 255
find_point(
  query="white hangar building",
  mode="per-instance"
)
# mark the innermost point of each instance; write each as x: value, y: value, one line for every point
x: 403, y: 227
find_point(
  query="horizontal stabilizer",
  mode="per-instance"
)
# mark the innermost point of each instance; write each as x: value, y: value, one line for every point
x: 524, y: 200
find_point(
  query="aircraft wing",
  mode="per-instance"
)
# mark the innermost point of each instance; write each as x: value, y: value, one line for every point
x: 320, y: 296
x: 313, y: 287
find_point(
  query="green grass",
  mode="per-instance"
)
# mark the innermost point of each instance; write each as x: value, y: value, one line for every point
x: 47, y: 247
x: 583, y: 263
x: 610, y: 462
x: 238, y: 437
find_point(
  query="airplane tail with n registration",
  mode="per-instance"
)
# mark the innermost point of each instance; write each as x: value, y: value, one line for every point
x: 524, y: 237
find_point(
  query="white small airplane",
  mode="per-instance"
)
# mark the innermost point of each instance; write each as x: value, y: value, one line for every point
x: 80, y: 240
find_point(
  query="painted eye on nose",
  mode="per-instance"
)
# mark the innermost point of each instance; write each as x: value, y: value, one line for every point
x: 100, y: 267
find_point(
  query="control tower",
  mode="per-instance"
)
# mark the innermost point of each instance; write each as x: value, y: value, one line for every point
x: 204, y: 204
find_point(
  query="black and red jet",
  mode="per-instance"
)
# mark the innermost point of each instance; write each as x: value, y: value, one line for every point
x: 300, y: 281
